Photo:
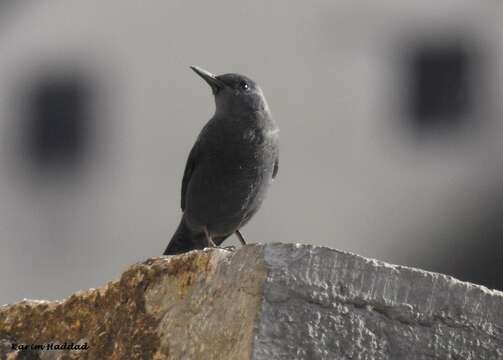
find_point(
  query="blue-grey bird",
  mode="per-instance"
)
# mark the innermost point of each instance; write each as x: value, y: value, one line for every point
x: 230, y: 167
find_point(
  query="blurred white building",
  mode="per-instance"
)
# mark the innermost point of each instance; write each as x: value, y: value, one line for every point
x: 390, y: 115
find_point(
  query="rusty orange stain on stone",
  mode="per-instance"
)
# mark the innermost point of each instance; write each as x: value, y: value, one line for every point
x: 112, y: 319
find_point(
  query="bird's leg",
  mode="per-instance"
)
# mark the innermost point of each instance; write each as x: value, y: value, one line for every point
x: 240, y: 237
x: 209, y: 240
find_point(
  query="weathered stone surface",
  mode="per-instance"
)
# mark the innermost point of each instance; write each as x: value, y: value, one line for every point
x: 324, y: 304
x: 276, y: 301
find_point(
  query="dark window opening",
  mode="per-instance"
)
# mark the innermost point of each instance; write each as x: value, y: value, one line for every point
x: 441, y: 91
x: 58, y: 120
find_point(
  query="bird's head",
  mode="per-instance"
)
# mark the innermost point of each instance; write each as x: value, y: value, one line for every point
x: 234, y: 93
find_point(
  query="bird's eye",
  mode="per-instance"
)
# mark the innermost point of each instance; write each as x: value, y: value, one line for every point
x: 244, y: 85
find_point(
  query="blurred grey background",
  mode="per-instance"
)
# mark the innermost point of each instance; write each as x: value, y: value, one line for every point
x: 390, y: 115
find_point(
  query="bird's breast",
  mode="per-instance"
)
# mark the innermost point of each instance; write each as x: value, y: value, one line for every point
x: 260, y: 136
x: 244, y: 156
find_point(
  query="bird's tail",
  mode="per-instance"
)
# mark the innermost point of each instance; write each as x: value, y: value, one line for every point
x: 184, y: 240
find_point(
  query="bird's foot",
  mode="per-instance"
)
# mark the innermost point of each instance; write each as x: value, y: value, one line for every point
x: 228, y: 248
x: 231, y: 248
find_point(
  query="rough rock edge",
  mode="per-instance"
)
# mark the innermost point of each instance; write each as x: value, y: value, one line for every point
x: 113, y: 319
x: 380, y: 305
x: 125, y: 318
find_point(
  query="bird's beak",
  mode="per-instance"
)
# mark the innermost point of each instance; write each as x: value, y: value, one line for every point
x: 216, y: 84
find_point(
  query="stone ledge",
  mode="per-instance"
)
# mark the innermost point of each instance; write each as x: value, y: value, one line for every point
x: 274, y: 301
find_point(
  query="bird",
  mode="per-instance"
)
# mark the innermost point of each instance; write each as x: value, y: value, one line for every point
x: 230, y: 167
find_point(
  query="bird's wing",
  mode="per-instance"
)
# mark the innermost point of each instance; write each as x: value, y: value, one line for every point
x: 189, y: 169
x: 276, y: 167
